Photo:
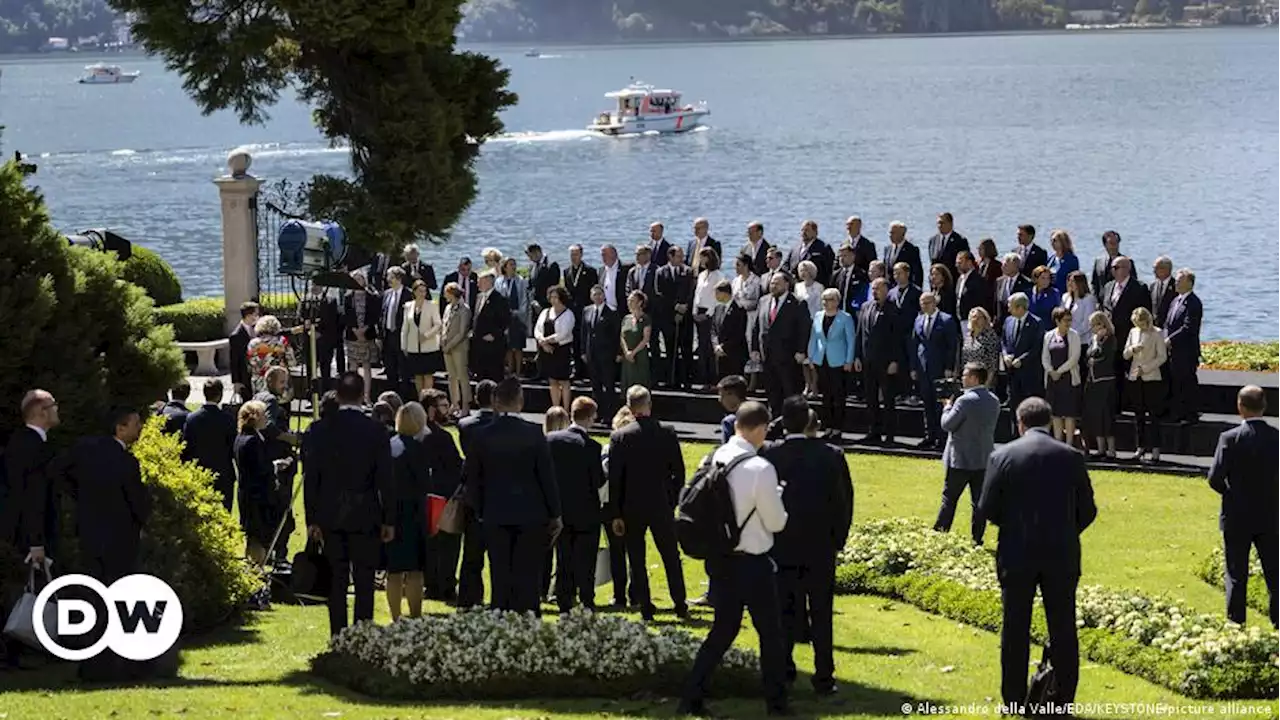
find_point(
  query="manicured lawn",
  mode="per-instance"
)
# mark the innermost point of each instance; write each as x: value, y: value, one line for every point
x: 1150, y: 531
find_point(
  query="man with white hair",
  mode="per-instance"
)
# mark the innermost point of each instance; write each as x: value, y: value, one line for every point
x: 900, y: 249
x: 1010, y: 283
x: 415, y: 270
x: 1020, y: 349
x: 1163, y: 289
x: 701, y: 239
x: 864, y: 251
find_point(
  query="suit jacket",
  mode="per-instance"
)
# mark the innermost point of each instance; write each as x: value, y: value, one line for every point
x: 674, y: 286
x: 646, y: 471
x: 349, y: 484
x: 419, y: 271
x: 710, y: 242
x: 329, y: 318
x: 1005, y: 289
x: 402, y: 298
x: 864, y: 253
x: 112, y: 504
x: 209, y: 438
x: 760, y: 258
x: 729, y: 330
x: 907, y: 253
x: 646, y: 286
x: 1037, y: 491
x: 455, y: 327
x: 1160, y: 302
x: 175, y: 414
x: 976, y: 292
x: 1244, y: 472
x: 253, y: 465
x: 818, y: 252
x: 492, y: 319
x: 599, y: 333
x: 1024, y: 346
x: 782, y: 337
x: 372, y: 315
x: 1101, y: 276
x: 27, y: 494
x: 906, y: 303
x: 446, y: 464
x: 509, y: 474
x: 579, y: 281
x: 879, y: 340
x: 579, y: 476
x: 543, y: 276
x: 945, y: 251
x: 835, y: 348
x: 818, y: 488
x: 469, y: 292
x: 620, y: 285
x: 970, y: 423
x: 469, y: 426
x: 1182, y: 328
x: 850, y: 281
x: 935, y: 353
x: 660, y: 250
x: 1134, y: 295
x: 1035, y: 257
x: 238, y: 348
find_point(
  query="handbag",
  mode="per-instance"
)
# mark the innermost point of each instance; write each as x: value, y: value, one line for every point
x: 452, y: 518
x: 312, y: 575
x: 1043, y: 689
x: 21, y: 622
x: 435, y: 506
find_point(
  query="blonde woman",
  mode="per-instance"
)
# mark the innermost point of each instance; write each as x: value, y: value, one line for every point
x: 269, y: 348
x: 492, y: 258
x: 556, y: 419
x: 982, y: 346
x: 515, y: 289
x: 420, y: 338
x: 454, y: 333
x: 1146, y: 351
x: 809, y: 291
x: 257, y: 480
x: 1099, y: 411
x: 1060, y: 358
x: 406, y: 554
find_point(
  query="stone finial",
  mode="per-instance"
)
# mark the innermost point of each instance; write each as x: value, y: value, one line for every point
x: 238, y: 162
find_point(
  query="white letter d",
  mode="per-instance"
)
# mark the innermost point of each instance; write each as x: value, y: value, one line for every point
x: 67, y: 626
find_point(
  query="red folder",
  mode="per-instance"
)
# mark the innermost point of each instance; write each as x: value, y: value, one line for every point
x: 435, y: 506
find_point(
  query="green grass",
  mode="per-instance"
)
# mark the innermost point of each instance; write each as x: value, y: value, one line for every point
x: 1150, y: 532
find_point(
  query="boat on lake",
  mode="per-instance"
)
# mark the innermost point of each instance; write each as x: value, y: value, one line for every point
x: 642, y: 108
x: 101, y: 74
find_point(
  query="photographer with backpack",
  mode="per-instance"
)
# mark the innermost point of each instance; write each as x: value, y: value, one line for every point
x: 727, y: 516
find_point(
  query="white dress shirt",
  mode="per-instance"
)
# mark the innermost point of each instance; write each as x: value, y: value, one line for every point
x: 564, y: 327
x: 754, y: 485
x: 704, y: 293
x: 609, y: 281
x: 480, y: 300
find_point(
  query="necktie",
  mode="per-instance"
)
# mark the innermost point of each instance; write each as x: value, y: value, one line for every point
x: 773, y: 311
x: 1115, y: 294
x: 928, y: 325
x: 480, y: 304
x: 697, y: 254
x: 848, y: 275
x: 391, y: 310
x: 1017, y: 331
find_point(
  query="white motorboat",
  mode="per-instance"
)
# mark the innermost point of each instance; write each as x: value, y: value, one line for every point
x: 100, y: 74
x: 533, y: 53
x: 643, y: 108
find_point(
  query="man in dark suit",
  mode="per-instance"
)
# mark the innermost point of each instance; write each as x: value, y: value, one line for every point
x: 578, y: 279
x: 757, y: 248
x: 1029, y: 253
x: 1120, y: 298
x: 349, y: 498
x: 935, y: 346
x: 701, y: 240
x: 543, y: 275
x: 579, y: 476
x: 209, y: 437
x: 489, y: 327
x: 905, y: 298
x: 1010, y: 283
x: 879, y: 357
x: 902, y: 250
x: 813, y: 249
x: 1163, y: 289
x: 864, y: 251
x: 441, y: 575
x: 471, y: 571
x: 238, y: 342
x: 27, y: 517
x: 1101, y: 274
x: 728, y: 333
x: 782, y: 340
x: 466, y: 281
x: 175, y: 411
x: 1244, y: 472
x: 512, y: 484
x: 613, y: 278
x: 658, y: 245
x: 948, y: 243
x: 673, y: 317
x: 773, y: 266
x: 1037, y: 491
x: 646, y: 473
x: 642, y: 276
x: 1182, y: 330
x: 1020, y: 342
x: 415, y: 270
x: 849, y: 278
x: 599, y: 333
x: 972, y: 290
x: 394, y: 299
x: 377, y: 271
x: 324, y: 307
x: 816, y: 486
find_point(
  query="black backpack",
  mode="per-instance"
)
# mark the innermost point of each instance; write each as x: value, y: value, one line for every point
x: 706, y: 523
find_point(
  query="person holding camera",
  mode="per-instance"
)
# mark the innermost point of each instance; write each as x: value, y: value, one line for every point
x: 970, y: 420
x: 934, y: 343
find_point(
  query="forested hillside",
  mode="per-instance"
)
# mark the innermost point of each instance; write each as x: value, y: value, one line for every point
x: 25, y: 25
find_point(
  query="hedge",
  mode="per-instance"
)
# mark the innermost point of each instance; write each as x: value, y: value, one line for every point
x: 1212, y: 568
x: 150, y: 272
x: 203, y: 318
x: 1232, y: 355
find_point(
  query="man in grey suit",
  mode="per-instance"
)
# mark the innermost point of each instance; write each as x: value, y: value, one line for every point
x: 970, y: 423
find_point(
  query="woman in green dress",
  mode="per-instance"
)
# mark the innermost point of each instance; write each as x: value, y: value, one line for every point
x: 635, y: 343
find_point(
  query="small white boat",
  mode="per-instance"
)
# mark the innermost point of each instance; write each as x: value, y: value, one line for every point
x: 643, y: 108
x: 107, y: 75
x: 533, y: 53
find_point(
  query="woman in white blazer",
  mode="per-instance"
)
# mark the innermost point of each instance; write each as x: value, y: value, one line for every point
x: 420, y: 338
x: 1060, y: 357
x: 1146, y: 352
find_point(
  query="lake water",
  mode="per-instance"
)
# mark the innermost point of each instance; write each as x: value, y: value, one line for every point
x: 1168, y: 137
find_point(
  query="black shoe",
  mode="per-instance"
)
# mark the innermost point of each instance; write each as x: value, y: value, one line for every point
x: 826, y: 689
x: 682, y: 612
x: 693, y: 708
x: 618, y: 607
x: 782, y: 710
x: 872, y: 440
x: 647, y: 614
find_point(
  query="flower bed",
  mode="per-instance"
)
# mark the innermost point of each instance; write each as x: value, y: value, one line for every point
x: 1211, y: 570
x: 492, y: 654
x: 1161, y: 640
x: 1232, y: 355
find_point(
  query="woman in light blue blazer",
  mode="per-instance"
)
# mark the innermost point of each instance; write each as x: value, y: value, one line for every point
x: 832, y: 351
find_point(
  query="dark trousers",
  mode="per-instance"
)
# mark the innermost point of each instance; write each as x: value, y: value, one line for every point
x: 741, y: 582
x: 706, y: 366
x: 663, y: 529
x: 932, y: 410
x: 1147, y: 399
x: 831, y: 381
x: 442, y: 565
x: 1017, y: 591
x: 225, y: 484
x: 881, y: 390
x: 812, y: 586
x: 283, y: 505
x: 1023, y: 385
x: 618, y: 567
x: 731, y: 364
x: 515, y: 565
x: 488, y: 359
x: 576, y: 566
x: 471, y: 573
x: 783, y: 377
x: 677, y: 351
x: 391, y: 360
x: 604, y: 381
x: 957, y: 480
x: 353, y: 555
x: 1236, y: 546
x: 327, y: 352
x: 1184, y: 394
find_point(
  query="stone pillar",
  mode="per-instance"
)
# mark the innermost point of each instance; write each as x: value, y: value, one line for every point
x: 238, y: 189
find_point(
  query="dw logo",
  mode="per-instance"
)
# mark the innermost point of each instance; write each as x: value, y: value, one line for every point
x: 144, y: 617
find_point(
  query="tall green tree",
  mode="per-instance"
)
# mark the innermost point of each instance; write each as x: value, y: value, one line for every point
x: 383, y: 76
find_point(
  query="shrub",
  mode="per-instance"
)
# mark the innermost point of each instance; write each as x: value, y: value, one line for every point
x: 1211, y: 570
x: 195, y: 320
x: 1230, y: 355
x: 489, y: 653
x: 191, y: 541
x: 146, y: 269
x: 68, y: 325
